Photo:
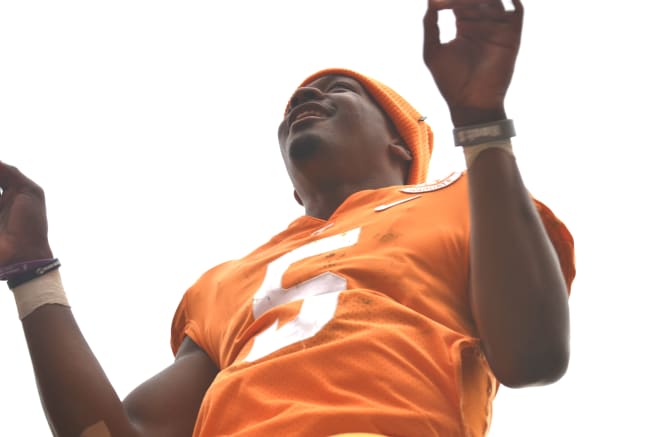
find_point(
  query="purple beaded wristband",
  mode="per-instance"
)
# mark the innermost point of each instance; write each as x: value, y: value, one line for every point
x: 24, y: 271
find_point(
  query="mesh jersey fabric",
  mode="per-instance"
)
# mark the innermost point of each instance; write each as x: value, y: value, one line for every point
x: 357, y: 324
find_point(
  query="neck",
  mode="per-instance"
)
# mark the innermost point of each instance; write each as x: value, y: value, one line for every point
x: 324, y: 201
x: 323, y: 204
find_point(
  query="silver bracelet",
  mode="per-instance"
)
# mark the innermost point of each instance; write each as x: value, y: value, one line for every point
x: 467, y: 136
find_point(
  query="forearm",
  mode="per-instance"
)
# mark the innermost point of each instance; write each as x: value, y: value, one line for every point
x: 517, y: 290
x: 74, y: 390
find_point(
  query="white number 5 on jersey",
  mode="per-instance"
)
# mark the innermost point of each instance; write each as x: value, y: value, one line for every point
x: 320, y: 295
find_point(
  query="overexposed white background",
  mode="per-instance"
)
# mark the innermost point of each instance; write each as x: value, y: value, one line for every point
x: 151, y: 125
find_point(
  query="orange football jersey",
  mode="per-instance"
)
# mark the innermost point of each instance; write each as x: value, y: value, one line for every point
x: 357, y: 324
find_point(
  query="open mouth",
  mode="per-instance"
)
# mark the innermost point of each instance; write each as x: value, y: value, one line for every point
x: 307, y: 112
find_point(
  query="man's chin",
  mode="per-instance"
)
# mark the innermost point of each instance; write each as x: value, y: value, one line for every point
x: 303, y: 149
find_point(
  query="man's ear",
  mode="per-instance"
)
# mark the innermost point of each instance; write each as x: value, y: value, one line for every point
x: 400, y: 151
x: 297, y: 197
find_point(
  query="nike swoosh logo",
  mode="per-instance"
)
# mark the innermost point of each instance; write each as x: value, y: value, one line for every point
x: 398, y: 202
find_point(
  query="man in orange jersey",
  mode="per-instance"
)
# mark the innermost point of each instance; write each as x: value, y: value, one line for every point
x: 392, y: 307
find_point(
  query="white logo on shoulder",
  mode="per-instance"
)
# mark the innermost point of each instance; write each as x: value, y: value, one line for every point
x: 398, y: 202
x: 433, y: 186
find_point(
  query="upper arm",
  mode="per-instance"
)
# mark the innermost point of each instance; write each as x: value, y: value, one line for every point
x: 167, y: 404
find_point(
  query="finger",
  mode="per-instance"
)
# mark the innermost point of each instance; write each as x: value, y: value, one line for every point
x: 10, y: 176
x: 456, y: 4
x: 519, y: 7
x: 483, y: 11
x: 431, y: 31
x: 473, y: 10
x: 519, y: 12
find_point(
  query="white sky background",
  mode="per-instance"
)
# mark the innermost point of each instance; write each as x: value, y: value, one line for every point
x: 152, y: 127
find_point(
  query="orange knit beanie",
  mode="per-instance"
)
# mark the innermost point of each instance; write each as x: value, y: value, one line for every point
x: 408, y: 122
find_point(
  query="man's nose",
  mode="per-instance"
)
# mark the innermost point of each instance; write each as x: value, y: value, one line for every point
x: 304, y: 94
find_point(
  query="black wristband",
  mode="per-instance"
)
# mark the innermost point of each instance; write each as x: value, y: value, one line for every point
x: 17, y: 280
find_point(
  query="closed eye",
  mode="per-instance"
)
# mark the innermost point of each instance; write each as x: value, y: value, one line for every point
x: 341, y: 87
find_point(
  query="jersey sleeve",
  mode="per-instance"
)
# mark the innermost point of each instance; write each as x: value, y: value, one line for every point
x: 184, y: 325
x: 561, y: 239
x: 194, y: 315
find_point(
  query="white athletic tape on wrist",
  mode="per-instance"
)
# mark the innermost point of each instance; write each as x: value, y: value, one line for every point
x: 44, y: 290
x: 473, y: 152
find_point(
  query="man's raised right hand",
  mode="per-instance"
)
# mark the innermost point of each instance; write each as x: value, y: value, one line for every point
x: 23, y: 222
